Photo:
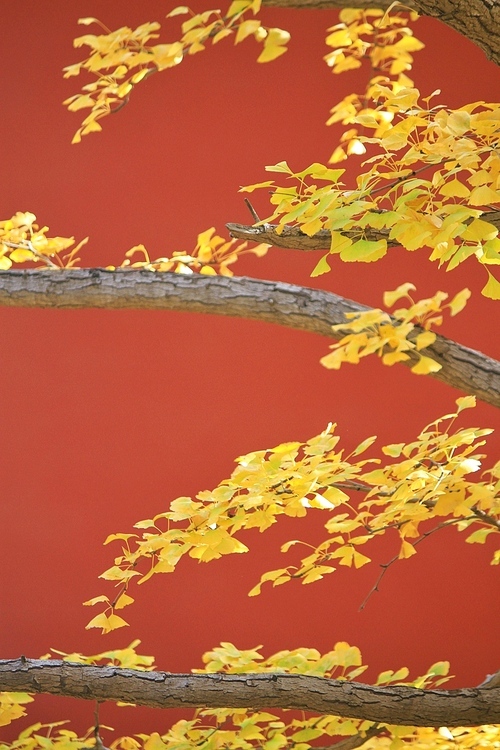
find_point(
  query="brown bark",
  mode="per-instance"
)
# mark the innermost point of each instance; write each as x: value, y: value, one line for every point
x: 288, y: 305
x: 392, y: 705
x: 293, y: 239
x: 477, y: 20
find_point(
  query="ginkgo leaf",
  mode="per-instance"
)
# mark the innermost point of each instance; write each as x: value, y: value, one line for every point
x: 492, y: 288
x: 390, y: 298
x: 271, y: 52
x: 95, y: 600
x: 459, y: 301
x: 425, y: 365
x: 320, y: 268
x: 465, y: 402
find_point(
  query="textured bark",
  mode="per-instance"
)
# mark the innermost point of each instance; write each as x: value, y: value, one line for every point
x: 292, y: 238
x: 393, y: 705
x: 288, y: 305
x: 478, y: 20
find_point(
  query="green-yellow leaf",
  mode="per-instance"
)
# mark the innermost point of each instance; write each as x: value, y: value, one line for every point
x: 465, y: 402
x: 492, y: 288
x: 459, y: 301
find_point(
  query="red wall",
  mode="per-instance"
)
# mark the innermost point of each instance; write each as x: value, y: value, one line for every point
x: 106, y: 416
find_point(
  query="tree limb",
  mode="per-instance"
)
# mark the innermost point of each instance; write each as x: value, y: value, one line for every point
x: 478, y: 20
x: 292, y: 238
x: 297, y: 307
x: 393, y: 705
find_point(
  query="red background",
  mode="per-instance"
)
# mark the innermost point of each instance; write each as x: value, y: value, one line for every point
x: 106, y: 416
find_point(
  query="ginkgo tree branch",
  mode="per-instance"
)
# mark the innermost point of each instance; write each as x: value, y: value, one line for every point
x: 297, y: 307
x: 478, y: 20
x: 291, y: 237
x: 400, y: 705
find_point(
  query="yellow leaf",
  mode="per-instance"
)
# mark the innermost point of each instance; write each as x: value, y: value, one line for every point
x: 100, y: 621
x: 390, y: 298
x: 360, y: 560
x: 221, y: 35
x: 393, y: 450
x: 311, y: 227
x: 455, y: 188
x: 492, y: 288
x: 425, y: 365
x: 340, y: 38
x: 407, y: 550
x: 123, y: 601
x: 115, y: 622
x: 364, y: 251
x: 338, y: 155
x: 479, y: 230
x: 245, y: 29
x: 271, y: 52
x: 364, y: 445
x: 95, y: 600
x: 390, y: 358
x: 321, y: 267
x: 484, y: 196
x: 20, y: 255
x: 465, y: 402
x: 459, y: 301
x: 179, y: 11
x: 425, y: 339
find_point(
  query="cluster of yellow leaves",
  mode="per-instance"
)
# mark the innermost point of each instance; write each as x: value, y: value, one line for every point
x: 211, y: 256
x: 426, y: 482
x: 22, y: 240
x: 244, y: 729
x: 386, y: 42
x: 391, y: 205
x: 392, y: 337
x: 122, y: 58
x: 126, y: 658
x: 12, y: 706
x: 52, y: 738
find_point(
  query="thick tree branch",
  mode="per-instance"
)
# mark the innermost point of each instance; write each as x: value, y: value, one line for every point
x: 393, y: 705
x: 288, y: 305
x: 478, y: 20
x: 292, y: 238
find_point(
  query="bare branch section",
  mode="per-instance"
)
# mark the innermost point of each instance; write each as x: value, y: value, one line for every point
x: 292, y: 238
x: 393, y: 705
x: 297, y: 307
x: 478, y: 20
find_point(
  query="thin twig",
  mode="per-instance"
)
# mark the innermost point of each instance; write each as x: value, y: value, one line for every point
x: 385, y: 566
x: 252, y: 210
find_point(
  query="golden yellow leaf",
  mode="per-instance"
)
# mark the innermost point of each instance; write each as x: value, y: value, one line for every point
x: 407, y: 550
x: 484, y: 196
x: 271, y: 52
x: 123, y: 601
x: 425, y: 365
x: 425, y: 339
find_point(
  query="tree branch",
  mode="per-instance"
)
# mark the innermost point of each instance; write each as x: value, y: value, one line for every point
x: 292, y: 238
x: 478, y: 20
x: 394, y: 705
x: 297, y: 307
